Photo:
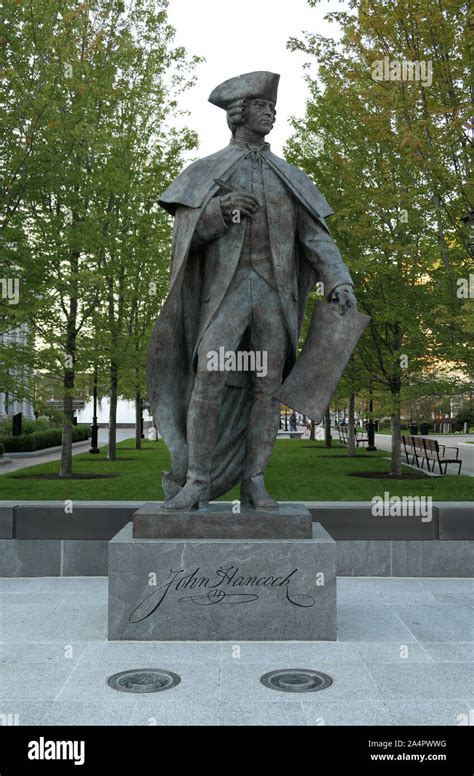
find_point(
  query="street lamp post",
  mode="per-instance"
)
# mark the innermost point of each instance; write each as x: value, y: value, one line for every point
x: 94, y: 428
x: 370, y: 429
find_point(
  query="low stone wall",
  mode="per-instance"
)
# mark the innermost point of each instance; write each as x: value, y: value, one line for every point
x: 46, y: 538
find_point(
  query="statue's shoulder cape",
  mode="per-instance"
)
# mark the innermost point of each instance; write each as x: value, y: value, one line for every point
x: 192, y: 187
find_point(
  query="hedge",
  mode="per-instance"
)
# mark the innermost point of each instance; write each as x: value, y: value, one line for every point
x: 28, y: 426
x: 39, y: 440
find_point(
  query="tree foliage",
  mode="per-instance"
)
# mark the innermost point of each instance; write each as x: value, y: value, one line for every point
x: 86, y: 116
x: 392, y: 158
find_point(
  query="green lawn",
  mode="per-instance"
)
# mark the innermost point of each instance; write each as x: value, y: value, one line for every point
x: 298, y: 470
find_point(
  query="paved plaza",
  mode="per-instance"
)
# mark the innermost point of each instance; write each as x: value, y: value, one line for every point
x: 403, y: 657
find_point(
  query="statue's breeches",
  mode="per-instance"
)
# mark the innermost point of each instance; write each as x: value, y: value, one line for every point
x: 254, y: 307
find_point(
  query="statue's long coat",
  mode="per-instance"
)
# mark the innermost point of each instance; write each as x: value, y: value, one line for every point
x: 180, y: 325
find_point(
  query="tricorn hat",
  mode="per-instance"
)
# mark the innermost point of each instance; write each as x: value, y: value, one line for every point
x: 259, y: 84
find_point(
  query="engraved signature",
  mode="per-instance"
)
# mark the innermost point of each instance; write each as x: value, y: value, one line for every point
x: 219, y: 588
x: 219, y: 597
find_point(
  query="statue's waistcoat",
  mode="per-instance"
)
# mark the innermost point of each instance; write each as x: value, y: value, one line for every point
x: 265, y: 243
x: 256, y: 251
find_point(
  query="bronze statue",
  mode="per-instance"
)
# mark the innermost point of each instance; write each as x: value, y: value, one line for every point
x: 250, y: 241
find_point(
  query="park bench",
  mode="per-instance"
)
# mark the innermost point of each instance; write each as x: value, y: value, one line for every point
x: 361, y: 438
x: 420, y: 449
x: 290, y: 434
x: 344, y: 437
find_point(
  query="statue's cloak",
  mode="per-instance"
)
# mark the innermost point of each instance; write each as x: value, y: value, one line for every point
x: 171, y: 360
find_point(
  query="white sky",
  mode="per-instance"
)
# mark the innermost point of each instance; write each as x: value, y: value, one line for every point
x: 240, y: 36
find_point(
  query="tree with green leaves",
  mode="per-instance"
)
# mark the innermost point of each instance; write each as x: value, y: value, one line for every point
x: 87, y: 107
x: 390, y: 154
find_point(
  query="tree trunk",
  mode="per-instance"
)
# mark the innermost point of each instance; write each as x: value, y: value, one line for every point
x: 138, y: 421
x: 395, y: 388
x: 351, y: 438
x: 312, y: 434
x: 396, y: 461
x: 112, y: 451
x: 65, y: 470
x: 115, y: 326
x: 327, y: 428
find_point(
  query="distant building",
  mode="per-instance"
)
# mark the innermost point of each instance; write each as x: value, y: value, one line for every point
x: 9, y: 404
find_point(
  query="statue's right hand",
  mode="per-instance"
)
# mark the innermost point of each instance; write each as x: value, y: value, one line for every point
x: 242, y: 201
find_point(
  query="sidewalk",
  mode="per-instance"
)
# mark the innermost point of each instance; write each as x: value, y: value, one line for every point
x: 81, y: 447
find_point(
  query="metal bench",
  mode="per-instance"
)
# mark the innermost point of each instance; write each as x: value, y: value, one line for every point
x: 418, y: 449
x: 342, y: 431
x: 360, y: 439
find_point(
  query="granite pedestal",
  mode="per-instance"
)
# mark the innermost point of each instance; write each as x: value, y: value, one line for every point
x: 293, y: 521
x: 276, y: 588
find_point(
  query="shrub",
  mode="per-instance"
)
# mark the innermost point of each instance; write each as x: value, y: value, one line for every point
x: 5, y: 427
x: 40, y: 440
x: 28, y: 426
x: 2, y: 448
x: 464, y: 416
x: 41, y: 424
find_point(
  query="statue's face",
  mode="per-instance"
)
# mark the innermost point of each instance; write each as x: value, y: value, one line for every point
x: 260, y: 116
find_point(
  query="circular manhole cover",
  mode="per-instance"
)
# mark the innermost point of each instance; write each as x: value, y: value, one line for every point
x: 296, y: 680
x: 143, y: 680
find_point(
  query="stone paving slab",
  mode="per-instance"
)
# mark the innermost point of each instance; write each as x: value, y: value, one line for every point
x: 432, y: 712
x: 376, y: 622
x: 438, y: 622
x: 406, y: 680
x: 348, y: 712
x: 403, y: 657
x: 187, y: 712
x: 393, y: 652
x: 447, y: 591
x: 450, y: 652
x: 379, y: 590
x: 40, y: 682
x: 270, y: 713
x: 88, y: 713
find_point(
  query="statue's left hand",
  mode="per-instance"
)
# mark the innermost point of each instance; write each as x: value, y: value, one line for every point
x: 344, y: 297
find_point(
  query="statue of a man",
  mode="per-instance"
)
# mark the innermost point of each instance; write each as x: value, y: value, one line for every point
x: 249, y: 242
